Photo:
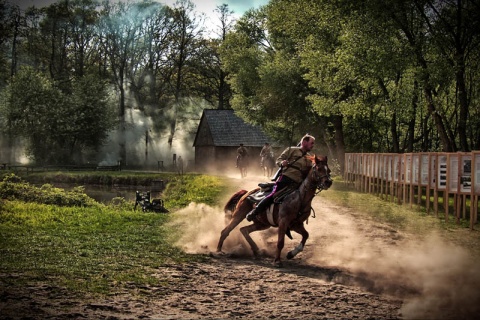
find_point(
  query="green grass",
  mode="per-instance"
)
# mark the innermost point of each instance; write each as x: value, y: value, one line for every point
x: 92, y: 248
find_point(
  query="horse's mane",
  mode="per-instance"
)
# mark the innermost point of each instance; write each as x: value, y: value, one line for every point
x: 311, y: 158
x: 314, y: 157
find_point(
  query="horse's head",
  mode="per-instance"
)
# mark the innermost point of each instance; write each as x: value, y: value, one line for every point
x: 321, y: 173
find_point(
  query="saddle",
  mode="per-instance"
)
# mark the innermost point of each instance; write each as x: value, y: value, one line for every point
x: 266, y: 189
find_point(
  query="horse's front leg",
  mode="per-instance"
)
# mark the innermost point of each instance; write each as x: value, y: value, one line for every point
x: 280, y: 244
x: 226, y: 231
x: 301, y: 230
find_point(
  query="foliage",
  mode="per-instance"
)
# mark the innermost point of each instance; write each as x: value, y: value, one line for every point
x: 191, y: 188
x: 13, y: 188
x: 57, y: 125
x: 92, y: 248
x: 387, y: 76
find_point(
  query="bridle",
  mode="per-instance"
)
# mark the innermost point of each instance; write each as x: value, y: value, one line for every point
x: 318, y: 184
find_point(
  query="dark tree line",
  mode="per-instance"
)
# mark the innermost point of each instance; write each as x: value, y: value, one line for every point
x: 371, y: 76
x: 149, y: 56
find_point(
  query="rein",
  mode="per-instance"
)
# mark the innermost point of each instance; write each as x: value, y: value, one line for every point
x: 314, y: 186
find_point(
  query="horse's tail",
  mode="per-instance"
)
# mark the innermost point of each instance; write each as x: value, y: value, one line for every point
x: 232, y: 203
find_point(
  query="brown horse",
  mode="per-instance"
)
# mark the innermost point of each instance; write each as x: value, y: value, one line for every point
x: 242, y: 164
x: 289, y: 215
x: 268, y: 164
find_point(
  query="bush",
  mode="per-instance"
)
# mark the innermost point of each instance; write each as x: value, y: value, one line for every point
x: 14, y: 188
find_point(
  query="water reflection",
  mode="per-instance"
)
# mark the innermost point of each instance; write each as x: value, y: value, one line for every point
x: 105, y: 194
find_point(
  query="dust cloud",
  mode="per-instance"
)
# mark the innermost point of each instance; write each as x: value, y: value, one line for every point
x: 202, y: 224
x: 434, y: 278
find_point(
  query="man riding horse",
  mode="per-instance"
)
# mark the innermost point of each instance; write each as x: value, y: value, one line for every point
x: 242, y: 153
x: 305, y: 176
x: 295, y: 166
x: 265, y: 152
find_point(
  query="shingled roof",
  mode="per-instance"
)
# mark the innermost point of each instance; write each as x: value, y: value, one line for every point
x: 227, y: 129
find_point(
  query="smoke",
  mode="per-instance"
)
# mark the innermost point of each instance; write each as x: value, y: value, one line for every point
x: 147, y: 137
x: 201, y: 226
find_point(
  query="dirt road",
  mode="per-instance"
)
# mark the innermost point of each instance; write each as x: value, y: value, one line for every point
x: 351, y: 268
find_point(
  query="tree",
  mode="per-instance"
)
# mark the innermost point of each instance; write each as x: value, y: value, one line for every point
x: 314, y: 40
x: 187, y: 33
x: 57, y: 127
x: 118, y: 29
x: 223, y: 88
x: 455, y: 28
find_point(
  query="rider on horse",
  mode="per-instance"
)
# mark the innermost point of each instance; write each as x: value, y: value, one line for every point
x: 241, y: 153
x: 264, y: 153
x: 295, y: 167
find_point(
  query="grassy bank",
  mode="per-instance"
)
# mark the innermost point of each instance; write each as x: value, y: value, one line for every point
x: 66, y: 238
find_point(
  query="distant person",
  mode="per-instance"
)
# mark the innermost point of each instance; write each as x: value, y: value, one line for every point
x: 264, y: 153
x: 242, y: 153
x: 180, y: 165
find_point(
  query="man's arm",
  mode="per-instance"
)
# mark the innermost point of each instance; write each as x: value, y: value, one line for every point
x: 284, y: 156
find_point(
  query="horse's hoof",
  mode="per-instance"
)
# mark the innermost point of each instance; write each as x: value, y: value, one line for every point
x: 290, y: 255
x: 278, y: 264
x: 217, y: 254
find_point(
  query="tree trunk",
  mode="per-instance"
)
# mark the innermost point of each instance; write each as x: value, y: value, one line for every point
x: 339, y: 141
x: 447, y: 144
x: 393, y: 131
x: 411, y: 123
x: 463, y: 103
x: 122, y: 131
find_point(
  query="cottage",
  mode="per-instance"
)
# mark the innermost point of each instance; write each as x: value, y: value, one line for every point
x: 218, y: 136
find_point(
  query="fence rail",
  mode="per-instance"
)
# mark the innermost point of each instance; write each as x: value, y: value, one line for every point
x: 405, y: 178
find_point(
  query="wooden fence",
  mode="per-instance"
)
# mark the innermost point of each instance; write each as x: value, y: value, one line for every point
x: 406, y: 178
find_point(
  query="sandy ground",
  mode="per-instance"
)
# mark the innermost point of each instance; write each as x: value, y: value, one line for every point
x: 351, y: 268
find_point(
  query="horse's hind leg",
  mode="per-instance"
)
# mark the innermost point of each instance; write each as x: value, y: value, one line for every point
x: 226, y: 231
x: 246, y: 233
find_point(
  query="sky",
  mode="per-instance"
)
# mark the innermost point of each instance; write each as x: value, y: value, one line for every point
x: 205, y: 6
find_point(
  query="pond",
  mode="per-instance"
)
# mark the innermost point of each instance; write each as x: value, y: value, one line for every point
x: 105, y: 194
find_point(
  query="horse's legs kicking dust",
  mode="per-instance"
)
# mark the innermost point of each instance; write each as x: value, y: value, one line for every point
x: 236, y: 219
x: 301, y: 230
x: 246, y: 233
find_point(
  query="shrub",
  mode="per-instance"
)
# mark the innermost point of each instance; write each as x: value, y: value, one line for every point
x: 14, y: 188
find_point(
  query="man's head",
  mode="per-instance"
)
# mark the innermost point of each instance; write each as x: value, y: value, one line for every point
x: 307, y: 143
x: 267, y: 144
x: 241, y: 144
